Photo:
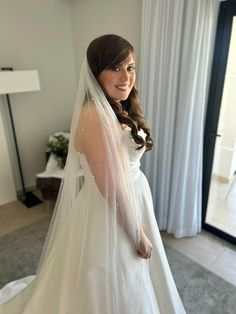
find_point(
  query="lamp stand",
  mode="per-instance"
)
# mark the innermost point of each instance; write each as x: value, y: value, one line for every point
x: 26, y: 197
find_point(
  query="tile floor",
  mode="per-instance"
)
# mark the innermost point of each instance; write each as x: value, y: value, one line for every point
x: 16, y: 215
x: 208, y: 250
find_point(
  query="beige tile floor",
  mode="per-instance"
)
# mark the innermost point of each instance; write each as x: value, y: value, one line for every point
x: 206, y: 249
x: 209, y: 251
x: 16, y: 215
x: 221, y: 210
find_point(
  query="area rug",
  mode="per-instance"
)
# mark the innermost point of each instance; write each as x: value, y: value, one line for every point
x: 201, y: 291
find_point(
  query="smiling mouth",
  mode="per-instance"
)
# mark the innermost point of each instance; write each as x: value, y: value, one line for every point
x: 122, y: 88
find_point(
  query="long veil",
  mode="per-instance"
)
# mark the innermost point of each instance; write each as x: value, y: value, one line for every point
x: 68, y: 266
x: 89, y: 264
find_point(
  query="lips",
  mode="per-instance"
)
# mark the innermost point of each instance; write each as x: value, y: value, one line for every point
x: 122, y: 88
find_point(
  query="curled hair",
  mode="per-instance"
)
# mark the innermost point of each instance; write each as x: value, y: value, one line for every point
x: 108, y: 51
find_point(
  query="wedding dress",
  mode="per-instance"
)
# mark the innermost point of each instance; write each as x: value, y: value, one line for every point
x: 89, y: 264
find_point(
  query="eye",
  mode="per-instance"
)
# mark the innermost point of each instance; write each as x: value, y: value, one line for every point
x: 115, y: 68
x: 131, y: 68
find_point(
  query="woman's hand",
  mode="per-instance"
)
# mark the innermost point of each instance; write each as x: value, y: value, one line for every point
x: 145, y: 246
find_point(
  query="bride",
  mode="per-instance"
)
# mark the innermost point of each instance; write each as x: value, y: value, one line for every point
x: 103, y: 252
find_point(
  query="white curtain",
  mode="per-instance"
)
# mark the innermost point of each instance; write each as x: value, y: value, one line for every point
x: 176, y: 53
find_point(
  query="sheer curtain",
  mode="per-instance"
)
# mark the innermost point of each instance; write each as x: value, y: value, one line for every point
x: 176, y: 52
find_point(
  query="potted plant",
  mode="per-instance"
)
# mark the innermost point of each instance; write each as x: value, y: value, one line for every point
x: 58, y: 146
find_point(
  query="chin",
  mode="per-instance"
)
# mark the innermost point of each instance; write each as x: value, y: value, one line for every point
x: 124, y: 97
x: 120, y: 97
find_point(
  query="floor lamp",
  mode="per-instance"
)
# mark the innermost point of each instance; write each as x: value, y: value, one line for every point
x: 18, y: 82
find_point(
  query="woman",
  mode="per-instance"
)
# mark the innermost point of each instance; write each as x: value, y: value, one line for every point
x: 103, y: 252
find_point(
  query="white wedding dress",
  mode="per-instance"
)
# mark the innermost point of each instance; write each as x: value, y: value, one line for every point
x: 54, y: 289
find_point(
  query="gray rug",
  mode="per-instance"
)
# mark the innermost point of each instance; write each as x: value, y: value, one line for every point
x: 201, y: 291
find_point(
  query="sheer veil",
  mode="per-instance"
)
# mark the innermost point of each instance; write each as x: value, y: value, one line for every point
x: 89, y: 263
x: 69, y: 245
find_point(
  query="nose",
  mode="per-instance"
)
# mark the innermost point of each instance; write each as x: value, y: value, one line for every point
x: 124, y: 75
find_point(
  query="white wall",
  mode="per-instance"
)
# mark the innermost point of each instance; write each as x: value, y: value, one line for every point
x: 38, y: 35
x: 52, y: 36
x: 92, y: 18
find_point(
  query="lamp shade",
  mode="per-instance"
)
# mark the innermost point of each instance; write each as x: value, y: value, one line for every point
x: 18, y: 81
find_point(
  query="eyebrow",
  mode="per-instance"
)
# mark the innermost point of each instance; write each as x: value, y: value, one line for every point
x: 132, y: 63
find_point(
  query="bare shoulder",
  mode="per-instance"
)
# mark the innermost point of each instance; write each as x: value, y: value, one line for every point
x: 89, y: 110
x: 89, y: 114
x: 88, y: 120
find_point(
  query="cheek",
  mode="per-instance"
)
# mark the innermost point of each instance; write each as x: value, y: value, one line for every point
x: 133, y: 79
x: 108, y: 85
x: 106, y: 81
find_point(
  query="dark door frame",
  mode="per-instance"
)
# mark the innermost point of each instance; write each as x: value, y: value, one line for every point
x: 227, y: 11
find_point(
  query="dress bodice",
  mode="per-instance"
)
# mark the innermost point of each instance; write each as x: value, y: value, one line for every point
x: 134, y: 153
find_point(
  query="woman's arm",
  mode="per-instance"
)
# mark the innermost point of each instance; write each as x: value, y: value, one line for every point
x: 106, y: 159
x: 105, y: 162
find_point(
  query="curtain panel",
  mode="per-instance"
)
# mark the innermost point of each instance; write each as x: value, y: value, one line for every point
x: 177, y: 41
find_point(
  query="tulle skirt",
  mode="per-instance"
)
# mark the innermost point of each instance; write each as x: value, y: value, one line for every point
x: 75, y: 278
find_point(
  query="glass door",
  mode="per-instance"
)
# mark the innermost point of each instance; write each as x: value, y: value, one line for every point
x: 219, y: 166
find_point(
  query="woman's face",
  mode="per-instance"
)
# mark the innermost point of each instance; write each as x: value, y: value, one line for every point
x: 119, y: 80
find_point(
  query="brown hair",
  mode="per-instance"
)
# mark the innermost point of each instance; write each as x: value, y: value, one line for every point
x: 105, y: 52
